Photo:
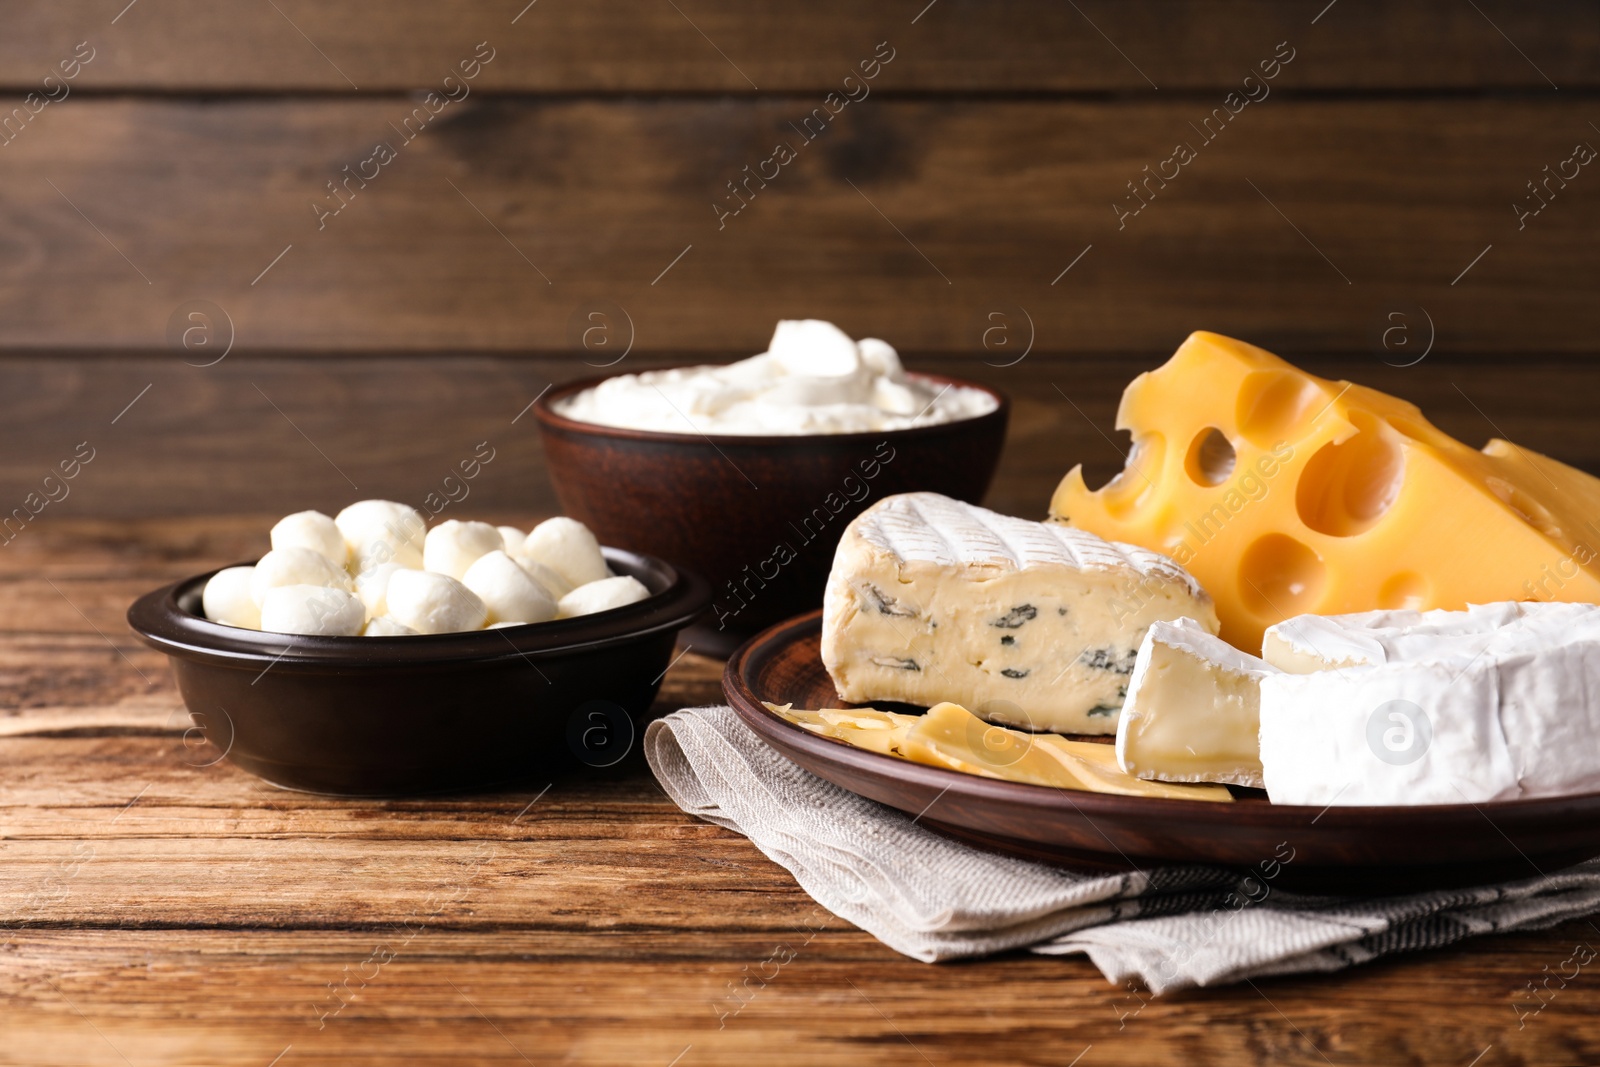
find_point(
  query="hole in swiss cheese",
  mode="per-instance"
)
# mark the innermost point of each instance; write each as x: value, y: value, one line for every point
x: 1211, y: 457
x: 1348, y: 486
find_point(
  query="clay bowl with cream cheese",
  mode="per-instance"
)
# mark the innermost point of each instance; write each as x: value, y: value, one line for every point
x: 759, y: 517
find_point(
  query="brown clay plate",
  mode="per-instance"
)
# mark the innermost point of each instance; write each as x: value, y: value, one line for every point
x: 1336, y: 848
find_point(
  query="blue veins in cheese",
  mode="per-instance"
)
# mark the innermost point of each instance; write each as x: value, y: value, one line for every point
x: 1029, y: 624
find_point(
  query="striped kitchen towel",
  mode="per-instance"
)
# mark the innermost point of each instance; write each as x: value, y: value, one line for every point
x: 933, y: 898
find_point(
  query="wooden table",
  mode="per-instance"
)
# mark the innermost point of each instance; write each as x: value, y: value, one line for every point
x: 156, y: 909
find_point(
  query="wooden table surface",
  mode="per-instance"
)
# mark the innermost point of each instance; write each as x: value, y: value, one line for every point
x: 159, y: 908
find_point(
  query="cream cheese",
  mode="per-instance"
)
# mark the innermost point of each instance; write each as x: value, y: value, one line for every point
x: 813, y: 379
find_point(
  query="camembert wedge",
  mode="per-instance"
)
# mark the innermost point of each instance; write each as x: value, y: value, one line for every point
x: 1193, y: 712
x: 1027, y: 623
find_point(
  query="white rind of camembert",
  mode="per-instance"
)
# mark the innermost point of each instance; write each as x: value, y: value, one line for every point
x: 1193, y: 709
x: 1030, y: 624
x: 1310, y: 643
x: 1498, y: 702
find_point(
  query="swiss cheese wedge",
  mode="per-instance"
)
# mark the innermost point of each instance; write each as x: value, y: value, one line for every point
x: 1287, y: 494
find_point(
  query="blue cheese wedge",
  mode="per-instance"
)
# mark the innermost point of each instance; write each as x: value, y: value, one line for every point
x: 1028, y: 624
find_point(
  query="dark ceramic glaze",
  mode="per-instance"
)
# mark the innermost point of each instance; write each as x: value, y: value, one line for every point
x: 728, y: 507
x: 385, y: 716
x: 1335, y: 849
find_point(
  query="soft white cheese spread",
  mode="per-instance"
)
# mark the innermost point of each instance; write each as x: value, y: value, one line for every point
x: 813, y: 379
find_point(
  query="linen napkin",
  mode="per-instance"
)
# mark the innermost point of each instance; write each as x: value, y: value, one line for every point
x: 934, y: 898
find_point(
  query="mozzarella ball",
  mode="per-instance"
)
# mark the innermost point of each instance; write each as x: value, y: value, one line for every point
x: 296, y: 566
x: 313, y: 530
x: 603, y: 595
x: 503, y: 625
x: 511, y: 538
x: 432, y: 603
x: 372, y: 586
x: 379, y: 551
x: 453, y: 546
x: 227, y: 598
x: 557, y: 586
x: 381, y: 531
x: 383, y: 626
x: 508, y: 592
x: 312, y: 609
x: 567, y: 547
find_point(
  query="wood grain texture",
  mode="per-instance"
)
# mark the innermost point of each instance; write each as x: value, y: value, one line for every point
x: 726, y: 46
x: 154, y: 909
x: 1299, y: 227
x: 273, y: 436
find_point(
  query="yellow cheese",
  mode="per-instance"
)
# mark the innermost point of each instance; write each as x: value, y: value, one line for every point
x: 1286, y: 494
x: 882, y: 732
x: 1095, y: 765
x: 950, y: 736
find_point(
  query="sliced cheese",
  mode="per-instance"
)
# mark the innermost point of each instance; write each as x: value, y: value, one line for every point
x: 1031, y: 624
x: 1095, y: 765
x: 882, y: 732
x: 1193, y: 709
x: 1286, y: 494
x: 951, y: 737
x: 1498, y: 703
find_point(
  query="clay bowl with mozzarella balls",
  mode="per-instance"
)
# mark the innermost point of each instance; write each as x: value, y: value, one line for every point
x: 758, y: 516
x: 424, y: 713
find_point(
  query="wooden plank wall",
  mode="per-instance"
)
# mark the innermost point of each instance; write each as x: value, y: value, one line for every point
x: 982, y: 171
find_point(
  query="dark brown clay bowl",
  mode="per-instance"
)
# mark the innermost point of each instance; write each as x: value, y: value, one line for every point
x: 760, y: 517
x: 390, y: 716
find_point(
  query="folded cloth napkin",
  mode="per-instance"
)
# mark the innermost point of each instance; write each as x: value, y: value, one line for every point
x: 933, y: 898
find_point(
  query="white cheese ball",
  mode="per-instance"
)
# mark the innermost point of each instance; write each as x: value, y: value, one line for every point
x: 432, y: 603
x: 227, y: 598
x: 383, y: 626
x: 313, y: 609
x: 381, y: 531
x: 296, y: 566
x: 557, y: 585
x: 508, y: 592
x: 453, y: 546
x: 511, y: 538
x: 372, y: 586
x: 567, y: 547
x: 313, y: 530
x: 603, y: 595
